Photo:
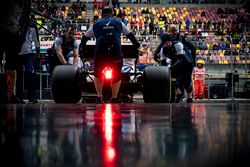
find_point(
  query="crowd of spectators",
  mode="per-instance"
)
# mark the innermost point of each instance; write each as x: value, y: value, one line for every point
x: 216, y: 23
x: 156, y: 1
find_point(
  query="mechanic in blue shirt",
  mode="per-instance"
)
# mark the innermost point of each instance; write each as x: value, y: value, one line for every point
x: 107, y: 32
x: 181, y: 67
x: 189, y: 47
x: 190, y: 53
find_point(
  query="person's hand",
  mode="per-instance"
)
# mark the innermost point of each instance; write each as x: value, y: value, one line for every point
x: 158, y: 60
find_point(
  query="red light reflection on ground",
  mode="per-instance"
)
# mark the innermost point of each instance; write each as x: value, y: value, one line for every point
x: 108, y: 132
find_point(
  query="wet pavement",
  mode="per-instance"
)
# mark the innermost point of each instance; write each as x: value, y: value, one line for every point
x: 125, y: 135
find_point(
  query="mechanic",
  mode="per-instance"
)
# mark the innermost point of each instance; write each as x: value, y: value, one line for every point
x: 181, y: 67
x: 107, y: 32
x: 189, y: 49
x: 64, y: 48
x: 27, y: 60
x: 14, y: 16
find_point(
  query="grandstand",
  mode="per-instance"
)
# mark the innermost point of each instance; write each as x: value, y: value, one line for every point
x: 220, y: 32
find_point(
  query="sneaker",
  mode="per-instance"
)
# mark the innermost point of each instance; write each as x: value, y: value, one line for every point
x: 15, y: 100
x: 33, y: 101
x: 189, y: 100
x: 115, y: 100
x: 99, y: 100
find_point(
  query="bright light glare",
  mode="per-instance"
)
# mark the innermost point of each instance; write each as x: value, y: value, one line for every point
x: 110, y: 154
x: 108, y: 73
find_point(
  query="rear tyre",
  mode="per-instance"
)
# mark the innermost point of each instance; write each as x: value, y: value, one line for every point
x: 156, y: 84
x: 66, y: 85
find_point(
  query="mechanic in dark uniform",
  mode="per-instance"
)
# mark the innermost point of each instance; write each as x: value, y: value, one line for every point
x: 65, y: 47
x: 175, y: 35
x: 189, y: 49
x: 181, y: 67
x: 107, y: 32
x: 14, y: 16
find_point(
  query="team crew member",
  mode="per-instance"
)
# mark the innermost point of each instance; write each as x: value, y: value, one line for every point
x: 199, y: 79
x: 27, y: 59
x: 190, y: 54
x: 65, y: 47
x: 107, y: 32
x: 181, y: 67
x: 189, y: 47
x: 14, y: 16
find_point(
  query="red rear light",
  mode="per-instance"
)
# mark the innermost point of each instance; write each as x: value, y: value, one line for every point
x: 107, y: 73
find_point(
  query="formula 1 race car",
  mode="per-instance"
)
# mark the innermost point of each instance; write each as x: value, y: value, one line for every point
x: 69, y: 81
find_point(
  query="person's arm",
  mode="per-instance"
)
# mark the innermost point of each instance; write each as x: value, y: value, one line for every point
x: 191, y: 47
x: 193, y: 74
x: 162, y: 59
x: 25, y: 5
x: 90, y: 32
x: 130, y: 35
x: 75, y: 53
x: 179, y: 49
x: 180, y: 54
x: 133, y: 39
x: 86, y: 36
x: 160, y: 46
x: 59, y: 52
x: 60, y: 55
x: 157, y: 52
x: 204, y: 70
x: 35, y: 38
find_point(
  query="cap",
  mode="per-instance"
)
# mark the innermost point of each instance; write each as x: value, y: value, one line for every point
x: 200, y: 61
